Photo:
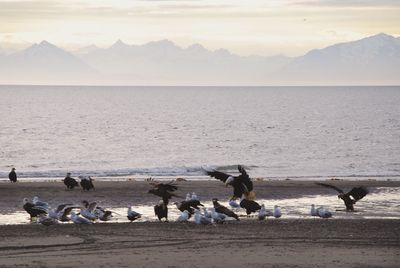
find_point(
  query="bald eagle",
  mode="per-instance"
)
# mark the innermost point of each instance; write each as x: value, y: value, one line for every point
x: 242, y: 184
x: 163, y: 190
x: 349, y: 198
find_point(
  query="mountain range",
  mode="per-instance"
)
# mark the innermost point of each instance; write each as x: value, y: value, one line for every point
x: 372, y: 60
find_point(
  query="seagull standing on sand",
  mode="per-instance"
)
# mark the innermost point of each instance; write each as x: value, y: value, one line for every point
x: 46, y: 221
x: 88, y: 210
x: 324, y: 213
x: 277, y: 211
x: 37, y: 202
x: 133, y: 215
x: 233, y: 204
x: 263, y: 213
x: 195, y: 197
x: 79, y: 220
x: 200, y: 219
x: 61, y: 212
x: 313, y: 211
x: 217, y: 217
x: 183, y: 217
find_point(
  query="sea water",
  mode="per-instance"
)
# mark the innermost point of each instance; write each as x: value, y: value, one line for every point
x: 275, y: 132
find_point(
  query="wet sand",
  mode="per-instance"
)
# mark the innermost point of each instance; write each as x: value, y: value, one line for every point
x: 271, y: 243
x: 248, y: 243
x: 126, y: 193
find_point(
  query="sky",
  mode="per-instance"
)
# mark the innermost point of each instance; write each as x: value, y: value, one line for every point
x: 245, y: 27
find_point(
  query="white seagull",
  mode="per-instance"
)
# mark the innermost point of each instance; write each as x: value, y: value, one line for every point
x: 217, y: 217
x: 313, y: 211
x: 79, y: 220
x: 199, y: 219
x: 277, y: 211
x: 183, y: 217
x: 324, y: 213
x: 263, y: 213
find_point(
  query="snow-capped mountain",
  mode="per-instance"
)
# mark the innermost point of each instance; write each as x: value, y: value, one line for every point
x: 372, y: 60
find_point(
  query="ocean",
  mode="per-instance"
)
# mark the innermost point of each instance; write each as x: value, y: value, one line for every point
x: 275, y: 132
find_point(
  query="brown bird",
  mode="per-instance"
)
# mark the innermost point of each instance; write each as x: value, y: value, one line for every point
x: 224, y: 210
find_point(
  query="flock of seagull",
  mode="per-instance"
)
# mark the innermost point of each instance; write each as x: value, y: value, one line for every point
x: 90, y: 212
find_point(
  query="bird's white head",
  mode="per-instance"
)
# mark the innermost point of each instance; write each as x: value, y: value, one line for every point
x: 229, y: 180
x: 25, y: 200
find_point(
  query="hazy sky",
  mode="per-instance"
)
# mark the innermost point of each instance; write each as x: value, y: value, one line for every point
x: 269, y: 27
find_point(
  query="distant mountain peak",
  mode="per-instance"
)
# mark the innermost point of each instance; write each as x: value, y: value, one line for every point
x: 197, y: 49
x: 162, y: 43
x: 119, y: 44
x: 46, y: 44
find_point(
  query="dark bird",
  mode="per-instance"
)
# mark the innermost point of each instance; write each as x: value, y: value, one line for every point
x: 164, y: 190
x: 242, y: 184
x: 33, y: 210
x: 70, y: 182
x: 349, y: 198
x: 189, y: 206
x: 87, y: 183
x: 161, y: 210
x: 12, y: 176
x: 224, y: 210
x: 250, y: 206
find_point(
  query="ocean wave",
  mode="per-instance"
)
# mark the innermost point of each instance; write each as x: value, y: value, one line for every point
x: 188, y: 171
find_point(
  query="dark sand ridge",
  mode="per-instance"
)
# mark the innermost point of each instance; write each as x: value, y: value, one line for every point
x: 271, y: 243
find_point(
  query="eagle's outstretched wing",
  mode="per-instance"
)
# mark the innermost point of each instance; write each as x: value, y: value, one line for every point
x: 330, y: 186
x: 218, y: 175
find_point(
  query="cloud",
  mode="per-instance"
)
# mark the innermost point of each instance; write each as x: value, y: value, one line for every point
x: 345, y: 3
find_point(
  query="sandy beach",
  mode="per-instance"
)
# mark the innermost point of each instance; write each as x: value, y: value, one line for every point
x: 271, y: 243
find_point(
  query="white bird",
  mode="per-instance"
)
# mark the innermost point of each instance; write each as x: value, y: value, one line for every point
x: 217, y: 217
x: 233, y: 203
x: 187, y: 197
x: 194, y: 197
x: 133, y: 215
x: 183, y: 217
x: 79, y: 220
x: 206, y: 213
x: 199, y: 219
x: 46, y: 220
x: 37, y: 202
x: 277, y: 211
x: 263, y: 213
x: 89, y: 211
x: 313, y: 211
x: 61, y: 212
x: 324, y: 213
